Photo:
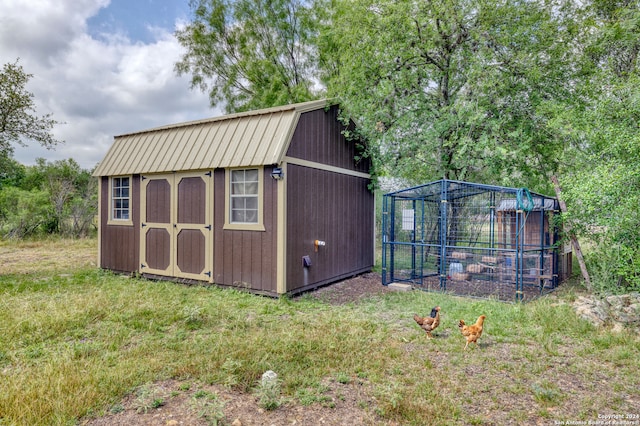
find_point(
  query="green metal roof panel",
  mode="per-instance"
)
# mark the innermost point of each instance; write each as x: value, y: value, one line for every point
x: 252, y: 138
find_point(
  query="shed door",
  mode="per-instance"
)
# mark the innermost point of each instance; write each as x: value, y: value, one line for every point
x: 176, y: 217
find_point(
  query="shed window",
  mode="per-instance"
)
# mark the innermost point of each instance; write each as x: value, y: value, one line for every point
x: 121, y: 198
x: 245, y: 195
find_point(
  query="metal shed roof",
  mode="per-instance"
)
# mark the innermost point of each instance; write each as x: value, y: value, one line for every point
x: 252, y: 138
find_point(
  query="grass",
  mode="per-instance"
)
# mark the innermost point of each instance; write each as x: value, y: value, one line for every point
x: 75, y: 340
x: 208, y: 406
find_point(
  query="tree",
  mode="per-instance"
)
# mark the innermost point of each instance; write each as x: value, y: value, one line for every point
x: 48, y: 198
x: 24, y: 213
x: 402, y: 74
x: 11, y: 172
x: 456, y: 89
x: 250, y: 54
x: 17, y: 112
x: 603, y: 188
x: 71, y: 194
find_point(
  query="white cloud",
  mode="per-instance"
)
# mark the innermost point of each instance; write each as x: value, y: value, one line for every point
x: 100, y: 87
x: 42, y: 29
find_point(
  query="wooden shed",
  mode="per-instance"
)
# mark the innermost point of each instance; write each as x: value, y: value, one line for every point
x: 272, y: 201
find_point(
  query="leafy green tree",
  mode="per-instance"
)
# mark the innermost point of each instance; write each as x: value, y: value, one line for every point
x: 460, y: 89
x: 401, y: 72
x: 24, y: 213
x: 603, y: 187
x: 18, y: 121
x: 250, y: 54
x: 11, y: 172
x: 456, y: 89
x: 50, y: 198
x: 69, y: 189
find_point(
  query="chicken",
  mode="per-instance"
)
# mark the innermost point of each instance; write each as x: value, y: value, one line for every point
x: 472, y: 332
x: 429, y: 323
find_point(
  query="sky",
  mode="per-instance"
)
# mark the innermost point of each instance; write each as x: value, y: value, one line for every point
x: 102, y: 68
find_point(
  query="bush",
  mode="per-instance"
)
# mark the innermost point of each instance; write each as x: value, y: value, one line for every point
x: 25, y: 213
x: 614, y: 268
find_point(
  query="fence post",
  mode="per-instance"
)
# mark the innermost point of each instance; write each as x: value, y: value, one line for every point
x: 443, y: 235
x: 385, y: 204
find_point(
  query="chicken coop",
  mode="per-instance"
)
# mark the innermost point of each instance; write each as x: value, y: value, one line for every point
x: 473, y: 240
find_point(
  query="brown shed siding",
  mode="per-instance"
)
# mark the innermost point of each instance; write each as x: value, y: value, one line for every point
x: 334, y: 208
x: 507, y: 229
x: 318, y: 138
x: 245, y: 258
x: 119, y: 245
x: 324, y: 205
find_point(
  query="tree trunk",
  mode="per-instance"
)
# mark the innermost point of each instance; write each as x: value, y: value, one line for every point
x: 574, y: 241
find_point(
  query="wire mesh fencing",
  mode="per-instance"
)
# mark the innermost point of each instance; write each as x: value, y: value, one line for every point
x: 472, y: 240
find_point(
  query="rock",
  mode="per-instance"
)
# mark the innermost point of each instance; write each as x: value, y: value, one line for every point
x: 591, y: 317
x: 591, y: 310
x: 621, y: 310
x: 634, y: 308
x: 621, y: 317
x: 627, y: 315
x: 399, y: 287
x: 236, y: 422
x: 600, y: 313
x: 619, y: 301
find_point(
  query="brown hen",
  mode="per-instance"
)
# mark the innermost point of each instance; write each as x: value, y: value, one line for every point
x: 430, y: 323
x: 472, y: 332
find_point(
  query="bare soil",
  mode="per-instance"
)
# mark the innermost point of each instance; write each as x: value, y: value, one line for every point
x: 176, y: 402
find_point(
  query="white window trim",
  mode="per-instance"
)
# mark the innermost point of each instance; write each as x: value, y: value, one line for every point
x: 123, y: 222
x: 259, y: 226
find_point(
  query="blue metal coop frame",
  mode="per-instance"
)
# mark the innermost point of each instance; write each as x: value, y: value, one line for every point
x: 471, y: 239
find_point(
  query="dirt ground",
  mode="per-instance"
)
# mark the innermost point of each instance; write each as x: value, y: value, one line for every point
x: 177, y: 403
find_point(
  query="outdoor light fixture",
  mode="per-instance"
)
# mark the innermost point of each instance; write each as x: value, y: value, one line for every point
x: 277, y: 173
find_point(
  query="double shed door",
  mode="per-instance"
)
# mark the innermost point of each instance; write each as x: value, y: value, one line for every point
x: 176, y: 220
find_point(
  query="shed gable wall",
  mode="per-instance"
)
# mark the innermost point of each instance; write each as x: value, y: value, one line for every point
x: 326, y: 204
x: 318, y: 138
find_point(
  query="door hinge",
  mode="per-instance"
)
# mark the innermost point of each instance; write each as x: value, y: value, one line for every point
x: 208, y: 227
x: 143, y: 225
x: 208, y: 274
x: 142, y: 265
x: 208, y: 173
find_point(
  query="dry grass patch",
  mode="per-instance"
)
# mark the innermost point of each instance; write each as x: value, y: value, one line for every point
x: 63, y: 255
